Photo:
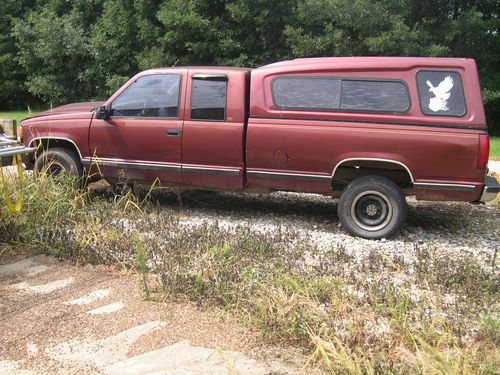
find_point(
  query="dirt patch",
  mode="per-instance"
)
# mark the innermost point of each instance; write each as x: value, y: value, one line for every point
x: 56, y: 330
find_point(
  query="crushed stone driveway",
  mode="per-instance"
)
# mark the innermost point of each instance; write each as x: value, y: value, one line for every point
x: 494, y: 166
x: 57, y: 318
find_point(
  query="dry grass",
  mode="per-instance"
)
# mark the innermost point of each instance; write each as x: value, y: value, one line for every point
x: 438, y: 315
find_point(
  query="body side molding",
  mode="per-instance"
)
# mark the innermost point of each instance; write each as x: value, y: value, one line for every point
x: 131, y: 164
x: 210, y: 170
x: 284, y: 175
x: 57, y: 138
x: 374, y: 159
x: 443, y: 186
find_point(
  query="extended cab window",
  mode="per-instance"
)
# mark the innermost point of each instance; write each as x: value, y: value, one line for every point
x: 441, y: 93
x: 150, y: 96
x: 208, y: 97
x: 324, y: 93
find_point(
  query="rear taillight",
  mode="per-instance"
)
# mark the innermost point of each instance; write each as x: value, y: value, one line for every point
x: 484, y: 151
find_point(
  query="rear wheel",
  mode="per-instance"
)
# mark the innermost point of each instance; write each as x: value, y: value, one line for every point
x: 372, y: 207
x: 55, y: 161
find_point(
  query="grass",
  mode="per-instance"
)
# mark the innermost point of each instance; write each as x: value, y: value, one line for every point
x: 495, y: 148
x: 437, y: 315
x: 17, y: 115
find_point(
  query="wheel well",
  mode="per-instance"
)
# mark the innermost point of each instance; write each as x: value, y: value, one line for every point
x: 43, y: 144
x: 349, y: 170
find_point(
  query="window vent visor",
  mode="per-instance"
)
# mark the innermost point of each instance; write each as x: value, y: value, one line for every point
x: 213, y: 77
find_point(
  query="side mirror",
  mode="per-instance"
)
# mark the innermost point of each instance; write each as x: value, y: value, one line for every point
x: 102, y: 113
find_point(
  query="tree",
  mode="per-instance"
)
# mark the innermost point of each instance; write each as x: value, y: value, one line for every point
x: 189, y: 32
x: 253, y: 32
x: 355, y: 27
x: 55, y: 51
x: 113, y: 42
x: 13, y: 92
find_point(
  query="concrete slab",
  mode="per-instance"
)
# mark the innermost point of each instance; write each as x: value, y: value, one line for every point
x: 183, y: 358
x: 43, y: 288
x: 89, y: 298
x: 24, y: 266
x: 107, y: 309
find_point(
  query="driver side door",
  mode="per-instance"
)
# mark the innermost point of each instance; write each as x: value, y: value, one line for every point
x: 142, y: 138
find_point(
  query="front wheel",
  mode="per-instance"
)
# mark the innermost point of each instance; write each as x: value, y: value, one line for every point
x: 372, y: 207
x: 55, y: 161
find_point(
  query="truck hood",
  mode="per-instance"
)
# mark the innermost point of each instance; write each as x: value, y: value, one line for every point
x: 64, y: 113
x: 71, y: 108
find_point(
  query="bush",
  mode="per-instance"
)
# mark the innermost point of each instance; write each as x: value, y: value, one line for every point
x: 491, y: 101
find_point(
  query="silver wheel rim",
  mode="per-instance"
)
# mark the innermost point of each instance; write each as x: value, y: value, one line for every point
x: 371, y: 210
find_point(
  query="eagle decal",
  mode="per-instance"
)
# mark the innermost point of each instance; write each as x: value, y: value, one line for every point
x: 441, y: 94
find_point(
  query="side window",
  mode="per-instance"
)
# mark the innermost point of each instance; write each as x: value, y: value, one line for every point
x: 387, y: 96
x: 150, y: 96
x: 303, y: 92
x: 325, y: 93
x: 441, y: 93
x: 208, y: 98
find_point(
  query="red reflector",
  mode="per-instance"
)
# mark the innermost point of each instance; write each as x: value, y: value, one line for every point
x: 484, y: 151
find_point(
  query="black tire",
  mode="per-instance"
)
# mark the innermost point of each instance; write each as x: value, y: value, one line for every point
x: 372, y: 207
x: 59, y: 160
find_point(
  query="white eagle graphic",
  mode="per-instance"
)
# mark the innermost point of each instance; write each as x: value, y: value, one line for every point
x: 442, y: 94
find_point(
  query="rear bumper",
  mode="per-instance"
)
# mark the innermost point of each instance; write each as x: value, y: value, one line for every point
x: 490, y: 190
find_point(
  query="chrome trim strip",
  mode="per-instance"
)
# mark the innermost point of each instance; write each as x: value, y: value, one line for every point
x: 210, y: 170
x: 160, y: 166
x: 439, y: 186
x: 285, y: 175
x: 374, y: 159
x: 134, y: 165
x: 62, y: 138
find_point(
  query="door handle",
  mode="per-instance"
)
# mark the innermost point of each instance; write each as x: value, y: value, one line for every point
x: 173, y: 132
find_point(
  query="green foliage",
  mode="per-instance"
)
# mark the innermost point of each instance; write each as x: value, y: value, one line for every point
x: 353, y: 27
x: 61, y: 51
x: 113, y: 40
x: 254, y: 34
x: 491, y: 100
x: 13, y: 92
x: 56, y: 54
x: 495, y: 147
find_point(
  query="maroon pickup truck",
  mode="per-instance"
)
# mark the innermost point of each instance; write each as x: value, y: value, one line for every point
x: 367, y: 130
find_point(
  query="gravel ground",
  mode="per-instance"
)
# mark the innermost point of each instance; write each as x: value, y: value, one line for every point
x: 453, y: 236
x: 453, y: 227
